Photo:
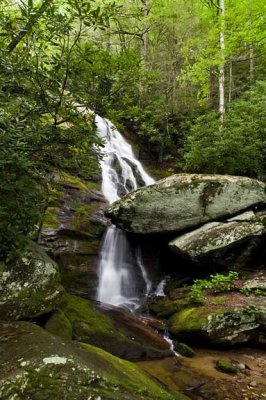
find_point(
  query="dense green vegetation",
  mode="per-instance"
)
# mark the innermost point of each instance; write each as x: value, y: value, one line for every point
x: 185, y: 78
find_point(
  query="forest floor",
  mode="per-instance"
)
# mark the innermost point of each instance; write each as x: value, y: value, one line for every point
x: 200, y: 373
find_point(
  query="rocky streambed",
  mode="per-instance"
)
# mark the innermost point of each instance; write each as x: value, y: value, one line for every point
x: 199, y: 378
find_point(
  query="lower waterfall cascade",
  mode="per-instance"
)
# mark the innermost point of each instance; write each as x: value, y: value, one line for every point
x: 119, y: 263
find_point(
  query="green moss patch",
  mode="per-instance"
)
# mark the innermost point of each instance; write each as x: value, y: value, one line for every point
x: 119, y: 333
x: 59, y: 325
x: 51, y: 219
x: 226, y: 366
x: 125, y: 374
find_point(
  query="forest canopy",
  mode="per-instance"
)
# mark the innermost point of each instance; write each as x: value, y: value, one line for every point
x: 184, y: 78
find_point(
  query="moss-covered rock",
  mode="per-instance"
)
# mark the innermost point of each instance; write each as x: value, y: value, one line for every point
x: 255, y: 285
x: 183, y: 349
x: 225, y: 324
x: 59, y: 325
x: 31, y: 287
x: 226, y: 366
x: 36, y: 365
x: 72, y: 228
x: 164, y: 307
x: 185, y: 200
x: 114, y: 330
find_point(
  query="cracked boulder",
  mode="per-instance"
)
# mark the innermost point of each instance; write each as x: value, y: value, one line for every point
x: 185, y: 201
x: 216, y: 240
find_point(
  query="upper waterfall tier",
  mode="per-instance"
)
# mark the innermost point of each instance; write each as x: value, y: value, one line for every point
x: 121, y: 171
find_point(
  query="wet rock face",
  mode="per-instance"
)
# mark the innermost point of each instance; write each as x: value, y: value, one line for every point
x: 37, y: 365
x: 115, y: 330
x: 31, y: 287
x: 184, y: 201
x: 71, y: 233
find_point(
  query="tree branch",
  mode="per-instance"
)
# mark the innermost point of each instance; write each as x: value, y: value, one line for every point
x: 29, y: 25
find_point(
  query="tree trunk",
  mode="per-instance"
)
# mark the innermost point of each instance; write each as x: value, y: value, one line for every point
x: 251, y: 62
x: 230, y: 82
x: 222, y: 63
x: 29, y: 25
x: 144, y: 38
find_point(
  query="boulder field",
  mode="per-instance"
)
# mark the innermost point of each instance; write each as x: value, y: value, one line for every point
x: 55, y: 357
x: 212, y: 223
x: 207, y: 216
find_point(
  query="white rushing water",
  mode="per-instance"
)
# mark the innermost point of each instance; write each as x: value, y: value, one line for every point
x: 159, y: 291
x: 121, y: 173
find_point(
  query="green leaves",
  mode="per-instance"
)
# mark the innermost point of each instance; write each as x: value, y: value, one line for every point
x: 40, y: 127
x: 237, y: 149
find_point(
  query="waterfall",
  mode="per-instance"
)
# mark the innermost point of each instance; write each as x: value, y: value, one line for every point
x: 119, y: 265
x: 159, y: 291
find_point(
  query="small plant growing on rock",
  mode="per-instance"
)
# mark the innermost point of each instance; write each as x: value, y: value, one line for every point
x: 252, y: 292
x: 217, y: 284
x: 223, y: 283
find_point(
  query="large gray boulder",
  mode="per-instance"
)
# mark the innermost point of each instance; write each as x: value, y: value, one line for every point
x: 216, y: 238
x: 31, y: 287
x: 183, y: 201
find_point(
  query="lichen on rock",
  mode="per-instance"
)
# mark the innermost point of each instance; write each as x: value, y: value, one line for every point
x: 37, y: 365
x: 215, y: 238
x: 224, y: 325
x: 71, y: 231
x: 30, y: 287
x: 183, y: 201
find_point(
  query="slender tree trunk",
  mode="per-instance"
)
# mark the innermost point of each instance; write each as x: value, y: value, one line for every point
x: 222, y: 64
x: 251, y: 62
x: 251, y: 48
x: 230, y: 82
x: 29, y: 25
x: 108, y: 36
x: 145, y: 37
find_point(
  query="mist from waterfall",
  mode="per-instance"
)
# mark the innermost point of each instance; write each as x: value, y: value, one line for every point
x: 119, y: 264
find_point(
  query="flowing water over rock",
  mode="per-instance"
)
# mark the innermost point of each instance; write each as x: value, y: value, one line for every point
x: 119, y: 264
x: 159, y: 291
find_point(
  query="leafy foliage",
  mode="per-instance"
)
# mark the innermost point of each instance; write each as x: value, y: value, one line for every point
x: 218, y: 283
x: 238, y: 148
x: 41, y: 129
